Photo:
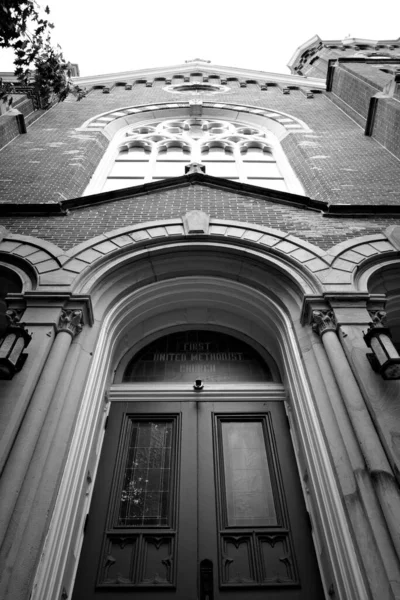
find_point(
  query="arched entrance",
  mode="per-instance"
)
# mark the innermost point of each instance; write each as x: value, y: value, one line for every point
x: 142, y: 295
x: 197, y: 494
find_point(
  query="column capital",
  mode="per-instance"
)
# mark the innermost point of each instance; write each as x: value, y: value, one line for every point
x: 14, y: 316
x: 71, y: 321
x: 44, y: 308
x: 378, y: 318
x: 348, y: 308
x: 323, y: 321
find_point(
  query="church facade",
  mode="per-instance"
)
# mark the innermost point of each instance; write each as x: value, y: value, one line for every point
x: 199, y: 333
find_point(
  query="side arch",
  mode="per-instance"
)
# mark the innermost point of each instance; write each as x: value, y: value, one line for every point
x: 30, y: 257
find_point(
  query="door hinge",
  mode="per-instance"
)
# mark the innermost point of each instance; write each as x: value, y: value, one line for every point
x: 106, y: 423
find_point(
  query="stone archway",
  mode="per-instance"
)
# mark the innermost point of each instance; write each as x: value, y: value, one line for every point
x: 130, y: 311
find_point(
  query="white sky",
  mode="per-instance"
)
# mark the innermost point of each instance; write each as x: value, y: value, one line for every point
x: 123, y: 35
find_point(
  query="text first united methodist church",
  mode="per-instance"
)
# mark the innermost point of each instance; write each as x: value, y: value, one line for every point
x: 199, y: 333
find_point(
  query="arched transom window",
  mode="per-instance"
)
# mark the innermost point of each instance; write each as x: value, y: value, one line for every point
x: 231, y: 150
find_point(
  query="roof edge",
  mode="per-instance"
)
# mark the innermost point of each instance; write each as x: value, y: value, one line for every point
x: 63, y: 207
x: 191, y: 67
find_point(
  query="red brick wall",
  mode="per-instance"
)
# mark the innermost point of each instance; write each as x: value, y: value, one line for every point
x: 354, y: 90
x: 335, y: 161
x: 353, y: 86
x: 386, y: 129
x: 8, y: 130
x: 83, y: 224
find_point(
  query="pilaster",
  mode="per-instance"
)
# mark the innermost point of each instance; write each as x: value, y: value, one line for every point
x: 340, y: 327
x: 381, y: 397
x: 366, y: 524
x: 40, y: 313
x: 55, y: 320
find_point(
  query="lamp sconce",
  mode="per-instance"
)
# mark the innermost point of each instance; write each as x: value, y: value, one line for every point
x: 12, y: 344
x: 384, y: 359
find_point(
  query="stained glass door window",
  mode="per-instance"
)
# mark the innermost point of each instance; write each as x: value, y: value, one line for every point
x: 145, y: 499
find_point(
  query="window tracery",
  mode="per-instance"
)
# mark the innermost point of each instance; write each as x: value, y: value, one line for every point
x: 231, y: 150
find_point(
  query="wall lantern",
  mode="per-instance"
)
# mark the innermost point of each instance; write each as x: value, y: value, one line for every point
x: 385, y: 359
x: 12, y: 344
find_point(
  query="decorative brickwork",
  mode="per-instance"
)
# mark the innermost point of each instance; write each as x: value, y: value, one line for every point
x: 81, y: 225
x: 387, y: 125
x: 334, y: 161
x: 334, y: 269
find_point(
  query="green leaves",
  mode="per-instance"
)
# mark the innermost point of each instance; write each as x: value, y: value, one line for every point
x: 24, y: 28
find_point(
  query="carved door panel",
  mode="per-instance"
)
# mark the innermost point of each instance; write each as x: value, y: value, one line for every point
x: 253, y: 526
x: 197, y: 501
x: 146, y: 489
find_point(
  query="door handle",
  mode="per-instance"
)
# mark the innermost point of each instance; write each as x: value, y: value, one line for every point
x: 206, y: 580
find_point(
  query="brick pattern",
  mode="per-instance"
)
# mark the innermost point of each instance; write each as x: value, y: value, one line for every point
x: 353, y: 87
x: 8, y: 131
x: 84, y: 224
x: 375, y: 75
x: 335, y: 162
x: 23, y: 104
x: 8, y: 124
x: 387, y: 125
x: 335, y: 267
x: 355, y: 84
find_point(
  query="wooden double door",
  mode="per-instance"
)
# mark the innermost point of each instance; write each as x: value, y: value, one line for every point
x: 197, y: 500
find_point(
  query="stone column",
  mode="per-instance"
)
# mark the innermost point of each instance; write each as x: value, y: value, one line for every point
x: 70, y: 324
x: 377, y: 463
x: 381, y: 396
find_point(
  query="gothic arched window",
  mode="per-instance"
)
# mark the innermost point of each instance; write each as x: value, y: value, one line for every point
x: 231, y: 150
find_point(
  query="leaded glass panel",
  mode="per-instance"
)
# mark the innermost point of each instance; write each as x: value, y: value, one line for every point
x: 145, y: 498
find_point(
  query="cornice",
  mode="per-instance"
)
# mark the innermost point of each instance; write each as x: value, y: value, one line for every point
x: 347, y: 43
x: 209, y: 69
x: 314, y: 41
x: 63, y: 207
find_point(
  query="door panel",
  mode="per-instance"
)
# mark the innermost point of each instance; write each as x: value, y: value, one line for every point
x: 267, y: 552
x: 197, y: 500
x: 121, y: 556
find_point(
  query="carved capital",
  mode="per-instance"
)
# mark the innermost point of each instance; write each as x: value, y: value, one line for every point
x: 323, y: 321
x: 14, y: 316
x: 378, y: 318
x: 70, y: 322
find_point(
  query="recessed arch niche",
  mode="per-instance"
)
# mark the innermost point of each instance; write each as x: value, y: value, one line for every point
x: 209, y: 355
